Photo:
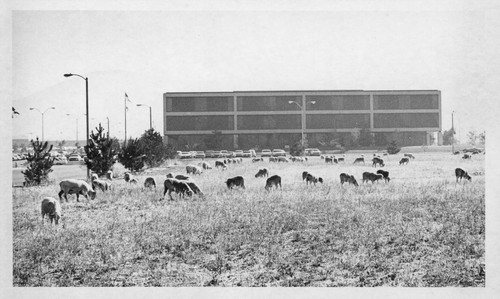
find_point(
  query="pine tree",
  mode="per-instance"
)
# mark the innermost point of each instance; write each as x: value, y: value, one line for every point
x: 100, y: 152
x: 153, y: 148
x: 393, y: 148
x: 39, y: 163
x: 132, y: 155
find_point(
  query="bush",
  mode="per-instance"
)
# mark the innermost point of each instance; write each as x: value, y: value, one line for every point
x: 39, y: 163
x: 153, y: 148
x: 132, y: 155
x: 393, y: 148
x: 100, y: 152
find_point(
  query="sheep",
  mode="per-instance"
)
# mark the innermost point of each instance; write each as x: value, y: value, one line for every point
x: 128, y: 177
x: 236, y: 181
x: 273, y: 159
x: 341, y: 159
x: 170, y: 175
x: 368, y: 176
x: 101, y: 184
x: 93, y: 177
x: 312, y: 179
x: 466, y: 156
x: 182, y: 177
x: 191, y: 183
x: 304, y: 175
x: 72, y: 186
x: 385, y: 174
x: 329, y: 159
x: 258, y: 160
x: 344, y: 177
x: 149, y: 182
x: 404, y: 160
x: 377, y: 161
x: 409, y: 155
x: 193, y: 169
x: 52, y: 208
x: 179, y: 187
x: 359, y: 160
x: 282, y: 159
x: 460, y: 173
x: 263, y: 172
x: 219, y: 163
x: 205, y: 165
x: 274, y: 180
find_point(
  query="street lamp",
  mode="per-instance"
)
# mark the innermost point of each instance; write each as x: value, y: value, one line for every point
x: 150, y: 123
x: 302, y: 117
x: 452, y: 134
x: 87, y: 107
x: 42, y: 113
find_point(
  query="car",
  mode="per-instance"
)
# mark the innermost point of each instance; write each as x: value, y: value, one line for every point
x: 238, y: 153
x: 224, y: 154
x: 312, y: 152
x: 279, y: 153
x: 183, y: 155
x: 247, y: 154
x: 216, y: 154
x: 266, y: 153
x: 209, y: 154
x: 200, y: 154
x: 60, y: 160
x: 74, y: 157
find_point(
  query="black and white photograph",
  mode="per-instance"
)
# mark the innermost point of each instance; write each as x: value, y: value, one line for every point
x: 288, y: 147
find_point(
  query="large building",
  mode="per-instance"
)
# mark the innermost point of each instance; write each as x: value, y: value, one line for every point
x: 275, y: 119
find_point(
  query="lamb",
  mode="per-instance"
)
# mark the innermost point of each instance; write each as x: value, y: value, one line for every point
x: 101, y: 184
x: 149, y: 182
x: 275, y: 180
x: 377, y: 161
x: 179, y: 187
x: 344, y: 177
x: 193, y: 169
x: 235, y: 182
x: 460, y: 173
x: 93, y: 177
x: 77, y: 187
x: 282, y: 159
x: 312, y: 179
x: 52, y: 208
x: 273, y: 159
x: 263, y: 172
x: 404, y: 161
x: 368, y: 176
x: 385, y: 174
x: 409, y: 155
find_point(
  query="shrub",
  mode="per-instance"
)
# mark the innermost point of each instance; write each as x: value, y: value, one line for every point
x: 100, y: 152
x: 132, y: 155
x: 393, y: 148
x: 296, y: 149
x: 39, y: 163
x: 153, y: 148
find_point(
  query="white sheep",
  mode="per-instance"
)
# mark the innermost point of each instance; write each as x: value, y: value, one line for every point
x: 52, y: 208
x: 102, y: 184
x: 77, y: 187
x: 193, y: 169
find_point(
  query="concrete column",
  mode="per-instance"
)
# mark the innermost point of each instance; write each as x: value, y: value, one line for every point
x: 371, y: 111
x: 428, y: 138
x: 303, y: 119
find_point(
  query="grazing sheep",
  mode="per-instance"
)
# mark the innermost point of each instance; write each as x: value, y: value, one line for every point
x: 409, y: 155
x: 359, y: 160
x: 133, y: 181
x: 170, y: 175
x: 274, y: 180
x: 460, y: 173
x: 52, y: 208
x: 109, y: 175
x: 385, y: 174
x: 304, y: 175
x: 378, y: 161
x: 77, y: 187
x: 235, y: 182
x: 194, y: 187
x: 263, y: 172
x: 341, y: 159
x: 368, y: 176
x: 205, y: 165
x: 404, y: 161
x: 282, y: 159
x: 456, y: 153
x: 193, y: 169
x: 128, y: 177
x: 258, y: 160
x: 149, y: 182
x: 180, y: 187
x: 344, y: 177
x: 466, y: 156
x: 182, y: 177
x: 312, y: 179
x: 273, y: 159
x: 101, y: 184
x: 329, y: 159
x: 219, y: 163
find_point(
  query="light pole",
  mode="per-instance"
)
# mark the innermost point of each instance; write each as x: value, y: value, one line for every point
x: 452, y: 134
x: 107, y: 118
x: 150, y: 123
x: 303, y: 113
x: 42, y: 113
x: 87, y: 107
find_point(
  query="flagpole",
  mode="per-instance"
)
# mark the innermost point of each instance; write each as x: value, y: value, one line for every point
x: 125, y: 100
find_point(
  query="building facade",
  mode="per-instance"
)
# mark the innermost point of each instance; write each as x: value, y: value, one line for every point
x: 275, y: 119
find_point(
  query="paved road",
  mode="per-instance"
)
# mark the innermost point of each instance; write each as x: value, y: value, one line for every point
x: 59, y: 172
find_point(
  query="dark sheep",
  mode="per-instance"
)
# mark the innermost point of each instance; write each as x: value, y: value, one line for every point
x: 263, y: 172
x: 378, y: 161
x: 237, y: 181
x: 385, y: 174
x: 368, y: 176
x: 274, y: 180
x: 304, y: 175
x: 404, y: 161
x: 312, y: 179
x: 460, y: 173
x: 179, y: 187
x: 344, y: 177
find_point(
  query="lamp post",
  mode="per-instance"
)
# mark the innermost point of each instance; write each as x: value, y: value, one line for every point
x: 452, y: 134
x: 86, y: 105
x: 42, y: 113
x: 303, y: 114
x: 150, y: 123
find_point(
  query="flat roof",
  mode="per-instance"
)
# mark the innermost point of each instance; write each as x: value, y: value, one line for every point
x: 302, y: 91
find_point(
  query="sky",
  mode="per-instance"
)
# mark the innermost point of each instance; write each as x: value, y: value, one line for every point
x: 451, y: 47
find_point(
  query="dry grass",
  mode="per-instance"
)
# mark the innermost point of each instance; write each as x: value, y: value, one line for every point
x: 421, y: 229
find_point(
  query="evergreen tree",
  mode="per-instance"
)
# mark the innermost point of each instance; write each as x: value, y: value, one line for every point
x: 132, y: 156
x: 39, y: 163
x: 153, y: 148
x: 393, y: 148
x: 100, y: 154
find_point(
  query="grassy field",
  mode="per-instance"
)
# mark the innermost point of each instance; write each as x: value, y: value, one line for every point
x: 421, y: 229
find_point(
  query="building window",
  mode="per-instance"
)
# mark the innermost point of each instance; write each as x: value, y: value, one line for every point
x: 199, y: 104
x: 339, y: 102
x: 200, y: 123
x: 406, y: 120
x: 337, y: 121
x: 268, y: 103
x: 415, y: 101
x: 268, y: 122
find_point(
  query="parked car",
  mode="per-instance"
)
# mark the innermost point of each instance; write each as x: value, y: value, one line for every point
x: 183, y: 155
x: 266, y: 153
x: 60, y: 160
x: 216, y: 154
x: 238, y: 153
x: 312, y: 152
x: 279, y: 153
x: 247, y: 154
x: 73, y: 158
x: 209, y: 154
x: 224, y: 154
x: 231, y: 154
x: 200, y: 154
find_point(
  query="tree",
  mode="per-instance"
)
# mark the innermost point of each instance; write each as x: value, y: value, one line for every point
x: 393, y: 148
x: 482, y: 138
x: 170, y: 151
x: 153, y: 148
x: 448, y: 136
x: 214, y: 141
x: 100, y: 154
x: 472, y: 137
x: 132, y: 156
x: 39, y: 163
x: 297, y: 149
